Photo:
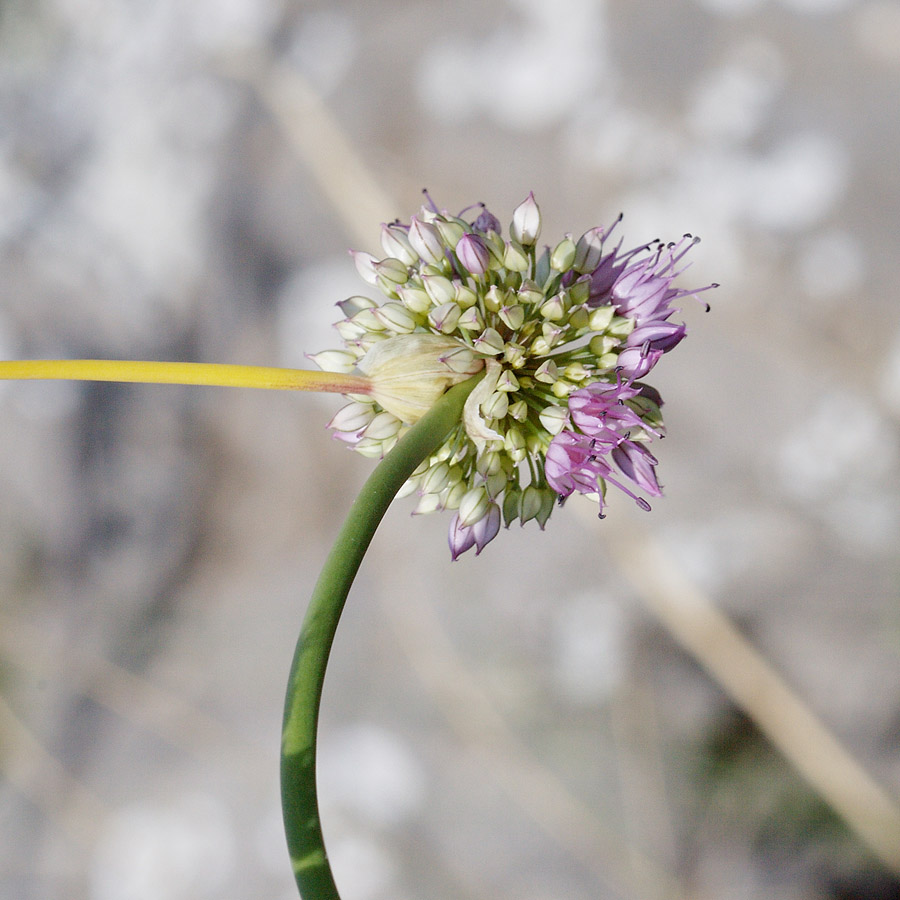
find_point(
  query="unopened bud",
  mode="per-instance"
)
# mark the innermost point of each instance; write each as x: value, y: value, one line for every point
x: 554, y: 419
x: 396, y: 243
x: 526, y: 222
x: 426, y: 241
x: 473, y: 506
x: 563, y: 255
x: 410, y: 372
x: 589, y: 251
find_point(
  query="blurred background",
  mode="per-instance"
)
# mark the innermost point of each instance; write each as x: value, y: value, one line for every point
x: 568, y: 716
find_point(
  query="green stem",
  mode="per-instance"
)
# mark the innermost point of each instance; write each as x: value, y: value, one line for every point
x: 301, y: 709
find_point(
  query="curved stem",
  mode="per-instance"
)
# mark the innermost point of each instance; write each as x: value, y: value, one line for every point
x: 304, y: 692
x: 213, y: 374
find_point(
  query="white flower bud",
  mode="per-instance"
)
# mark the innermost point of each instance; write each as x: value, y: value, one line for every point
x: 507, y: 381
x: 393, y: 270
x: 445, y: 317
x: 489, y: 342
x: 519, y: 410
x: 396, y: 243
x: 426, y: 241
x: 365, y: 265
x: 428, y: 503
x: 471, y: 320
x: 496, y: 406
x: 334, y: 360
x: 526, y: 222
x: 473, y: 506
x: 414, y: 299
x: 554, y: 419
x: 353, y: 417
x: 384, y: 425
x: 440, y: 289
x: 396, y: 317
x: 353, y: 305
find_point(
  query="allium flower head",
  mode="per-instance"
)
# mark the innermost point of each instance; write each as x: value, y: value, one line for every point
x: 563, y: 335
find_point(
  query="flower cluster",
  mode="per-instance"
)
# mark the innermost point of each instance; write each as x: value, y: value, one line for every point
x: 564, y: 336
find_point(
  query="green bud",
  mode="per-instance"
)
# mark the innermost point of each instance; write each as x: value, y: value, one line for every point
x: 579, y: 318
x: 471, y: 320
x: 489, y: 342
x: 546, y: 372
x: 414, y: 299
x: 454, y: 495
x: 496, y: 405
x: 548, y: 501
x: 563, y: 255
x: 512, y: 316
x: 450, y: 231
x: 555, y: 308
x: 507, y: 381
x: 494, y: 299
x: 580, y: 291
x: 601, y: 317
x: 529, y: 503
x: 511, y: 504
x: 465, y: 296
x: 436, y: 479
x: 514, y: 258
x: 554, y: 419
x: 620, y: 326
x: 601, y: 344
x: 518, y: 410
x: 514, y: 354
x: 575, y: 372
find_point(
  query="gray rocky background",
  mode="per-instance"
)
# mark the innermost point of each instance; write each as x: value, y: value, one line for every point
x: 181, y: 181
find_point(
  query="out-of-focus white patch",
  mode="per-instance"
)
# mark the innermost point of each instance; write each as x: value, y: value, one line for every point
x: 729, y: 103
x: 831, y: 265
x: 841, y: 463
x: 324, y: 47
x: 588, y: 641
x: 877, y: 29
x: 19, y: 197
x: 526, y: 75
x: 730, y: 7
x: 363, y: 869
x: 183, y: 851
x: 307, y: 310
x: 798, y: 183
x: 368, y: 770
x: 816, y: 7
x: 717, y: 552
x: 842, y: 446
x: 43, y: 401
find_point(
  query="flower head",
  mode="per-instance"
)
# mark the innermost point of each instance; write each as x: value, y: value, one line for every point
x: 564, y: 336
